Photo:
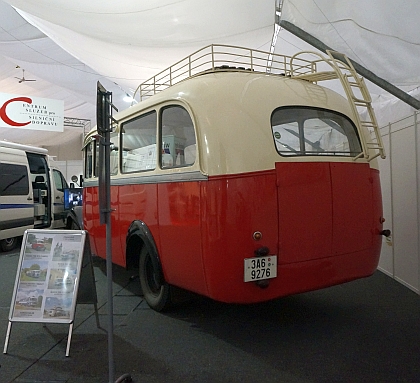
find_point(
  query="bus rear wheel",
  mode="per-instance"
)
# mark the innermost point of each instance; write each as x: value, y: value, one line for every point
x: 156, y: 292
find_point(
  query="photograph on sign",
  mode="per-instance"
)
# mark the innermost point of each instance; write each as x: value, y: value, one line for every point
x: 47, y: 277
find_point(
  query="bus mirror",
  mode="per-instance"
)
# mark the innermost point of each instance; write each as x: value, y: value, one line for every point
x: 74, y: 179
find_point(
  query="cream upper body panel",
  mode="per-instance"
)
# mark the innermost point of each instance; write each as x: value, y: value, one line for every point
x: 231, y: 112
x: 233, y: 116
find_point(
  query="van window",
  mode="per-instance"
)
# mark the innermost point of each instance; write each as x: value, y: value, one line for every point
x: 59, y: 181
x: 14, y: 180
x: 138, y: 143
x: 37, y: 163
x: 177, y: 137
x: 300, y: 131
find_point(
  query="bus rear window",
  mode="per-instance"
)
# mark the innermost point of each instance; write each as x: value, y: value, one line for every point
x: 302, y: 131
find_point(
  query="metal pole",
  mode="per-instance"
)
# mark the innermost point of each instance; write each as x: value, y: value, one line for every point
x: 403, y: 96
x: 391, y: 187
x: 417, y: 185
x: 104, y: 128
x: 109, y: 261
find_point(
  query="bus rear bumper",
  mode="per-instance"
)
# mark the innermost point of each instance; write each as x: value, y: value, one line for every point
x: 300, y: 277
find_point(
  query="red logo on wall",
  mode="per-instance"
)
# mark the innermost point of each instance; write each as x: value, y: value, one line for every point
x: 6, y: 118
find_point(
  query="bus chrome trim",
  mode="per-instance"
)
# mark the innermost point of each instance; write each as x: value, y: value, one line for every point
x: 136, y: 179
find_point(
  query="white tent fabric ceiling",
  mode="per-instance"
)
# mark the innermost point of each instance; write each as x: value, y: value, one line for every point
x: 381, y: 35
x: 69, y: 45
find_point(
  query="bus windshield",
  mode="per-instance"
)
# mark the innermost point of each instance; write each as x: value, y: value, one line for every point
x: 304, y: 131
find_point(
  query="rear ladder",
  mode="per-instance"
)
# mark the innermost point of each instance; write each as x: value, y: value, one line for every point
x: 357, y: 95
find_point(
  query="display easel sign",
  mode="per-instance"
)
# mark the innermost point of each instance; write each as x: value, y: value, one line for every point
x: 47, y: 278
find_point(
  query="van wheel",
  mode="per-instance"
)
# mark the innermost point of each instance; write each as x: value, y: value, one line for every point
x: 156, y: 293
x: 74, y: 226
x: 9, y: 243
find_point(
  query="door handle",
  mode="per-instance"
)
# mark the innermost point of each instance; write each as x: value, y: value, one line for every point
x: 29, y: 198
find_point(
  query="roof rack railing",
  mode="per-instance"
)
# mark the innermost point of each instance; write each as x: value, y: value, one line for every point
x: 217, y: 57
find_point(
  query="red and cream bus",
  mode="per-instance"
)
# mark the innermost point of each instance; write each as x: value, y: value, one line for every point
x: 238, y: 177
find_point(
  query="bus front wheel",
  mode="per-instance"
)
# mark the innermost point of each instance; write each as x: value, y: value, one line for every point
x: 156, y: 292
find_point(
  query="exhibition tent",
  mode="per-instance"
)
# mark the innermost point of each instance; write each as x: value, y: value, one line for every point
x: 67, y: 46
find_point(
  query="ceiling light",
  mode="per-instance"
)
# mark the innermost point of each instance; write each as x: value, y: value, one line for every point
x: 128, y: 98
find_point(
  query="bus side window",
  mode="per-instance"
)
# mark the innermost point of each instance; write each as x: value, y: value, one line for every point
x: 113, y: 156
x: 89, y: 160
x: 96, y: 158
x: 138, y: 143
x: 92, y: 156
x: 177, y: 137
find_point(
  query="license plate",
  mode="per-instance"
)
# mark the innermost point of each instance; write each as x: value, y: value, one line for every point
x: 258, y: 268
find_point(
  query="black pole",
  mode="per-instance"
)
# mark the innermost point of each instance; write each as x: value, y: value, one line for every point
x: 397, y: 92
x: 107, y: 214
x: 104, y: 119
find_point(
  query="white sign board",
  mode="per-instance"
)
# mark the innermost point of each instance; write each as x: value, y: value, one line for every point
x: 35, y: 113
x: 48, y: 276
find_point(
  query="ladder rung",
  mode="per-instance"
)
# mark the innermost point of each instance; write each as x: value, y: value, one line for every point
x: 359, y: 100
x: 369, y: 125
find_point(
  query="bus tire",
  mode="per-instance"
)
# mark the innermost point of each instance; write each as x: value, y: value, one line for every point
x: 9, y: 244
x: 156, y: 291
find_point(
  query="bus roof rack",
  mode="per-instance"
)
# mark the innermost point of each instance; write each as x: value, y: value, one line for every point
x: 217, y: 57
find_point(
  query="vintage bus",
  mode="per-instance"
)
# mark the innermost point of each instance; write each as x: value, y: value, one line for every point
x: 238, y: 177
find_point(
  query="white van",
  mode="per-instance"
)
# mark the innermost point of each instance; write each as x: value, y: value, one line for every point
x: 31, y: 192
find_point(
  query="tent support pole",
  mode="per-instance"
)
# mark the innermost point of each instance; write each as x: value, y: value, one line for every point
x: 403, y: 96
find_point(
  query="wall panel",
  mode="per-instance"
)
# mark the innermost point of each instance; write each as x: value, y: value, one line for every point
x: 400, y: 188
